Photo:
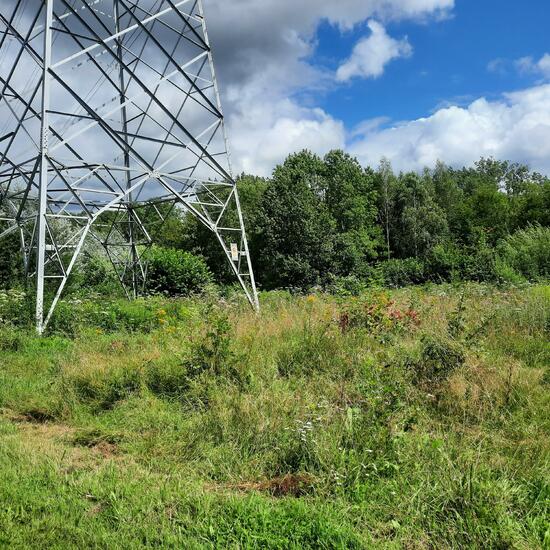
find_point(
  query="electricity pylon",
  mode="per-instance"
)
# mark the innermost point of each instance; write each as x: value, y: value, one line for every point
x: 110, y: 116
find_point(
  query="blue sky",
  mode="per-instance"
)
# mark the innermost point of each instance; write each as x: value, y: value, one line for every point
x: 414, y: 81
x: 449, y: 63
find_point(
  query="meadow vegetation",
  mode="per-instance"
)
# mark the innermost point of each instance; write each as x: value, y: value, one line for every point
x: 357, y: 410
x: 410, y: 418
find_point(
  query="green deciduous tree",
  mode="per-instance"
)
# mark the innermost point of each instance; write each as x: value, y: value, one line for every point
x: 350, y: 196
x: 295, y: 231
x: 420, y: 223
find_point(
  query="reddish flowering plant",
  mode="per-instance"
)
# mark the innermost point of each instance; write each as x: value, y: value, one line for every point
x: 377, y: 314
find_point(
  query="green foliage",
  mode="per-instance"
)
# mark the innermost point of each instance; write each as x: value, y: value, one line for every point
x: 323, y: 218
x: 212, y: 354
x: 175, y: 273
x: 526, y: 254
x: 318, y: 220
x: 295, y: 226
x: 10, y: 260
x: 325, y: 430
x: 445, y: 263
x: 105, y: 315
x: 439, y: 358
x: 479, y: 263
x: 376, y: 418
x: 398, y: 273
x: 533, y: 205
x: 194, y: 236
x: 95, y: 273
x: 14, y: 307
x: 348, y: 285
x: 448, y: 262
x: 419, y: 222
x: 350, y: 195
x: 209, y: 356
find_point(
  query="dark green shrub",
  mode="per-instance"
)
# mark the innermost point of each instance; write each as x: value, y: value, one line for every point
x: 479, y: 263
x: 97, y: 274
x: 176, y: 273
x: 346, y: 286
x: 398, y: 273
x: 447, y: 263
x: 211, y: 356
x: 11, y: 260
x: 213, y: 352
x: 526, y: 253
x: 66, y: 320
x: 444, y: 263
x: 439, y: 357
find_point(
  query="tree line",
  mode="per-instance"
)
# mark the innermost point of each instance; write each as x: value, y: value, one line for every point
x: 329, y: 221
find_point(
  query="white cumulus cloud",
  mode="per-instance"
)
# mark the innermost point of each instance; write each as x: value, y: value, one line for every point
x: 371, y: 54
x: 515, y: 127
x: 264, y: 134
x: 262, y: 52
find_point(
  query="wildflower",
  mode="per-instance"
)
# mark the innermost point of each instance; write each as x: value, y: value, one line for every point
x: 311, y: 299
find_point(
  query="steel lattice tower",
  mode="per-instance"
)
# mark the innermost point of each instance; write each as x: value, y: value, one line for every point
x: 110, y: 116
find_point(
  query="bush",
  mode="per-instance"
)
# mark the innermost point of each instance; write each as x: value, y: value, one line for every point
x: 209, y: 358
x: 480, y: 264
x: 95, y: 272
x: 439, y: 358
x: 213, y: 352
x: 346, y: 286
x: 444, y: 263
x: 526, y: 254
x: 448, y: 263
x: 176, y: 273
x: 398, y: 273
x: 14, y: 308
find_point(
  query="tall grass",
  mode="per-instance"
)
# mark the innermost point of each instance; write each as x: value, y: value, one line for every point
x: 416, y: 418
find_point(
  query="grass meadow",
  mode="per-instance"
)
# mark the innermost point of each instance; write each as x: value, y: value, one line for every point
x: 417, y: 418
